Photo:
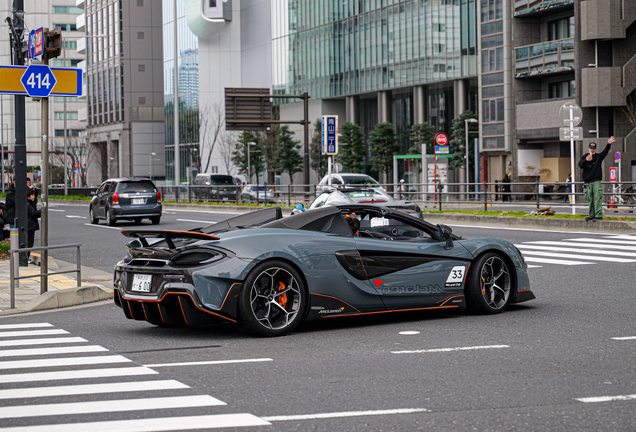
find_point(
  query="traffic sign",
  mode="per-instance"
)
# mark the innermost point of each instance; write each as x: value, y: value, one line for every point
x: 36, y: 43
x: 68, y: 81
x: 441, y: 139
x: 565, y: 133
x: 613, y: 174
x: 442, y: 150
x: 38, y: 80
x: 617, y: 156
x: 571, y: 112
x: 330, y: 135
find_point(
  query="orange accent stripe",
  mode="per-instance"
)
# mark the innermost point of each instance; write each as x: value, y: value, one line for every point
x: 426, y: 308
x: 192, y: 232
x: 181, y: 306
x: 466, y: 274
x: 160, y: 314
x: 358, y: 314
x: 143, y: 308
x: 130, y: 310
x: 228, y: 293
x: 443, y: 302
x: 336, y: 298
x: 362, y: 263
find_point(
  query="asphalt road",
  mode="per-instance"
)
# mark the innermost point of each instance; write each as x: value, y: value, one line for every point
x: 536, y: 367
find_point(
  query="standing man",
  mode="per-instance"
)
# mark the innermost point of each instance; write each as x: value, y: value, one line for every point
x: 592, y: 165
x: 33, y: 214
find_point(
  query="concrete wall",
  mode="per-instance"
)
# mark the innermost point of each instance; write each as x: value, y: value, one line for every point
x: 148, y: 138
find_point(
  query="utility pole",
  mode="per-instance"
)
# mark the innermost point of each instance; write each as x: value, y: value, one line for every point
x: 44, y: 233
x: 17, y: 32
x: 177, y: 155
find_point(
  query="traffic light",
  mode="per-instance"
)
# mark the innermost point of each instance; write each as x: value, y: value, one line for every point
x: 53, y: 43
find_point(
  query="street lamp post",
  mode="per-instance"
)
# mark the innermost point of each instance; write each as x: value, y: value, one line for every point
x: 466, y: 121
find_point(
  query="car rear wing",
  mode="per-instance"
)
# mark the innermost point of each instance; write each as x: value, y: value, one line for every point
x: 167, y: 235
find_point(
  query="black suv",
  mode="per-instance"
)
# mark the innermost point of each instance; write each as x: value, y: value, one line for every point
x: 124, y: 198
x: 215, y: 187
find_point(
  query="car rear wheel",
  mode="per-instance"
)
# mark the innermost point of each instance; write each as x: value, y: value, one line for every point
x: 489, y: 285
x: 155, y: 220
x: 272, y: 300
x: 110, y: 218
x: 94, y: 220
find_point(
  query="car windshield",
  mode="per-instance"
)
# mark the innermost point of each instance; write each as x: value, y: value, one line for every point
x: 136, y: 186
x: 360, y: 180
x: 359, y: 194
x: 223, y: 181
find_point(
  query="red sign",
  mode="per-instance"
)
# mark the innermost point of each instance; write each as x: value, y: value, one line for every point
x: 441, y: 139
x: 617, y: 156
x: 76, y: 166
x: 36, y: 43
x: 613, y: 174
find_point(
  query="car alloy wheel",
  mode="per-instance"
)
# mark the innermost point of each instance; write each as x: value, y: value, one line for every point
x: 272, y: 301
x: 489, y: 284
x: 110, y: 218
x: 94, y: 220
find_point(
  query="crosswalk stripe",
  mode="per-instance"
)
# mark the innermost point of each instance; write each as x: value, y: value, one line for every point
x: 119, y: 405
x: 42, y: 341
x: 33, y: 333
x: 49, y: 351
x: 582, y: 244
x: 554, y: 261
x: 152, y: 424
x: 30, y: 325
x: 534, y: 266
x: 524, y: 246
x: 76, y: 374
x: 564, y: 255
x: 606, y: 398
x: 605, y: 241
x: 70, y: 361
x: 82, y: 389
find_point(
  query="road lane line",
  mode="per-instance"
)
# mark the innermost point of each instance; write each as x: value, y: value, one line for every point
x: 33, y: 333
x: 614, y: 241
x: 568, y: 255
x: 195, y: 221
x: 76, y: 217
x: 624, y: 338
x: 103, y: 226
x: 76, y: 374
x: 84, y: 389
x: 607, y: 398
x: 554, y: 261
x: 214, y: 362
x: 345, y: 414
x: 70, y: 361
x: 43, y: 341
x: 118, y: 405
x: 152, y: 424
x: 62, y: 211
x: 438, y: 350
x: 534, y: 266
x: 576, y: 250
x: 592, y: 245
x: 22, y: 326
x: 49, y: 351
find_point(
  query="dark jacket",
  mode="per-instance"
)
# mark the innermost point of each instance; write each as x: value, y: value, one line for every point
x: 593, y: 170
x: 33, y: 214
x: 9, y: 206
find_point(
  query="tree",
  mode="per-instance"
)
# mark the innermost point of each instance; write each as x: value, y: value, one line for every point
x: 422, y: 134
x: 211, y: 124
x: 317, y: 161
x: 458, y: 140
x: 270, y: 145
x: 80, y: 152
x: 226, y: 146
x: 351, y: 152
x: 382, y: 146
x: 239, y: 155
x: 289, y: 160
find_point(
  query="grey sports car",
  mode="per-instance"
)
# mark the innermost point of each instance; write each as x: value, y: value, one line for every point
x: 267, y: 273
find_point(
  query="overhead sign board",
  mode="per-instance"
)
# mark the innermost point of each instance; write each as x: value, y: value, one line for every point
x: 35, y: 81
x: 567, y: 134
x: 36, y: 43
x: 330, y: 135
x: 613, y: 172
x: 247, y: 109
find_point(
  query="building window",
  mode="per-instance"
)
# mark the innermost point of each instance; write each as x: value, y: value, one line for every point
x: 70, y: 115
x: 140, y: 35
x: 561, y: 29
x: 140, y: 3
x: 70, y: 45
x: 562, y: 89
x: 69, y: 132
x: 66, y: 27
x: 141, y: 68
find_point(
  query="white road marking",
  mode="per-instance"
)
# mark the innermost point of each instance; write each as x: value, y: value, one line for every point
x: 83, y: 389
x: 205, y: 211
x: 119, y: 405
x: 63, y: 211
x: 43, y: 341
x: 624, y: 338
x: 592, y: 245
x: 21, y: 326
x: 607, y: 398
x: 438, y: 350
x: 76, y: 217
x: 576, y: 250
x: 76, y: 374
x: 614, y: 241
x: 49, y: 351
x: 152, y: 424
x: 409, y: 333
x: 534, y: 266
x: 33, y: 333
x: 345, y: 414
x: 103, y: 226
x: 214, y: 362
x: 569, y: 255
x: 195, y: 221
x: 70, y: 361
x: 554, y: 261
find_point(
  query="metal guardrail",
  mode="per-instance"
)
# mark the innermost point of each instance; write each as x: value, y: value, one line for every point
x: 43, y: 276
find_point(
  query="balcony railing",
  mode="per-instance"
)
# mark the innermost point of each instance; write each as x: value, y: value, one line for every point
x: 529, y: 7
x: 544, y: 58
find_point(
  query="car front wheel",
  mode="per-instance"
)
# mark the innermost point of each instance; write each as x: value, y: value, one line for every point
x: 489, y: 285
x: 272, y: 300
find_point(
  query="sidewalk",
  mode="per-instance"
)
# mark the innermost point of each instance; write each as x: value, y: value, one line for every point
x: 62, y: 289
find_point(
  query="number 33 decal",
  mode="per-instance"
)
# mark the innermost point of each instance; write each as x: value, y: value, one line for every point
x: 456, y: 274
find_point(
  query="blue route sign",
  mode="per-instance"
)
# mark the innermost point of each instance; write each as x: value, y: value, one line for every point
x: 38, y: 81
x: 330, y: 135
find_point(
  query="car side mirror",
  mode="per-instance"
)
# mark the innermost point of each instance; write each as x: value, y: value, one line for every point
x: 447, y: 233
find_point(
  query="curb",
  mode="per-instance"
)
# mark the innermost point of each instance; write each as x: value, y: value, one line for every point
x: 62, y: 298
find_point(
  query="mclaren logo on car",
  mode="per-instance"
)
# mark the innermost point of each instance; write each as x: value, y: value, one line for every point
x: 331, y: 311
x: 385, y: 288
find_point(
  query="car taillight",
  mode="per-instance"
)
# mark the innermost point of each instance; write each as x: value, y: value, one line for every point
x: 116, y: 198
x: 158, y: 197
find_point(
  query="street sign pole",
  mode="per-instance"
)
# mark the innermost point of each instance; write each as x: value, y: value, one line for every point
x: 571, y: 115
x: 44, y: 233
x: 572, y: 170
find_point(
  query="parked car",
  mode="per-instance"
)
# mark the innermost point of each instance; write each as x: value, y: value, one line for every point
x: 347, y: 180
x: 126, y: 199
x: 215, y: 187
x: 250, y: 194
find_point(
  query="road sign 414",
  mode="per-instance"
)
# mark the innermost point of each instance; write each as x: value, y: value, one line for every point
x: 38, y: 81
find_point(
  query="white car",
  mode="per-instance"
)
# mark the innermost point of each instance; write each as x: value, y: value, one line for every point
x: 347, y: 180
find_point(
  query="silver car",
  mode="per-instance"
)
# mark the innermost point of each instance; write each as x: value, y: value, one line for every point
x: 339, y: 181
x: 364, y: 196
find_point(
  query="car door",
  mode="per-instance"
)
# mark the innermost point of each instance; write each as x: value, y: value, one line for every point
x: 410, y: 266
x: 100, y: 200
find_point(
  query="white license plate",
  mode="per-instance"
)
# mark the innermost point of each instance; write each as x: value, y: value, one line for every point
x: 142, y: 282
x: 225, y: 199
x: 138, y: 200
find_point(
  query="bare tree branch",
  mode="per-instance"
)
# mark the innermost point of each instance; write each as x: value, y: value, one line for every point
x: 226, y: 147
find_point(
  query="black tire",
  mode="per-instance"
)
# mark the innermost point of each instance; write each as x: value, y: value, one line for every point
x: 272, y: 300
x: 489, y: 284
x: 155, y: 220
x: 110, y: 219
x: 137, y: 220
x: 92, y: 217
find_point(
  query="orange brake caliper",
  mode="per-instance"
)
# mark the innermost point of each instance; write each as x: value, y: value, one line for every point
x: 282, y: 299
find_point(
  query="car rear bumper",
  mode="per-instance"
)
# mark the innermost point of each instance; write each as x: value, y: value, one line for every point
x: 133, y: 211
